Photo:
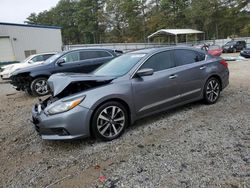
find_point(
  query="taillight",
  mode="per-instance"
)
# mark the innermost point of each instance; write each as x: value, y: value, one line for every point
x: 224, y: 63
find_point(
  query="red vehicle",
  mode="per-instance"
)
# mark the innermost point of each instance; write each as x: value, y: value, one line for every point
x: 214, y: 50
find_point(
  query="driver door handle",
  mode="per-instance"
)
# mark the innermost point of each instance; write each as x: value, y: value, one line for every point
x: 202, y: 67
x: 173, y: 76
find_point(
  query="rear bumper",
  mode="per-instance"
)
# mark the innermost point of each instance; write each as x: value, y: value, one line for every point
x: 69, y: 125
x: 225, y: 79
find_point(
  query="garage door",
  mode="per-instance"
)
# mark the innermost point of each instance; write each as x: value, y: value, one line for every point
x: 6, y: 50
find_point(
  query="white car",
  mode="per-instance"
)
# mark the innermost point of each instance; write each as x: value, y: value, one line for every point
x: 31, y: 60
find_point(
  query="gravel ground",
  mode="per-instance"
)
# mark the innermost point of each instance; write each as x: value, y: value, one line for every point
x: 195, y: 145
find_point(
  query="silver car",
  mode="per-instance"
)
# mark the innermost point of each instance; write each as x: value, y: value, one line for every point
x: 127, y: 88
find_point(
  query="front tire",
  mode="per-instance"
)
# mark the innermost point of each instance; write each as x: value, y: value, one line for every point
x: 28, y: 92
x: 39, y: 86
x: 212, y: 90
x: 109, y: 121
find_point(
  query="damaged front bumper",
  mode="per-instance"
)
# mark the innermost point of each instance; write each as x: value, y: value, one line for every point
x: 20, y: 82
x: 72, y: 124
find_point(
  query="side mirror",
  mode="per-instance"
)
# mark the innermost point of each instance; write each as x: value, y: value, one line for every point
x: 30, y: 62
x: 60, y: 62
x: 145, y: 72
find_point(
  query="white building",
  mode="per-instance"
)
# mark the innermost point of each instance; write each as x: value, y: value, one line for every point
x: 18, y: 41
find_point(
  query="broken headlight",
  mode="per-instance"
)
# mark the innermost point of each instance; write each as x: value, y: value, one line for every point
x: 64, y: 106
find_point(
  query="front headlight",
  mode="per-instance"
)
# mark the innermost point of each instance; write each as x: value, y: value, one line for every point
x: 64, y: 106
x: 231, y: 46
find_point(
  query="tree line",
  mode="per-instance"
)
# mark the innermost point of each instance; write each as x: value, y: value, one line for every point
x: 101, y: 21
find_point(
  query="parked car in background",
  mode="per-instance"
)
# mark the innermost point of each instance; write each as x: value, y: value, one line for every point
x: 30, y: 61
x: 127, y: 88
x: 213, y: 49
x: 234, y: 46
x: 33, y: 79
x: 245, y: 53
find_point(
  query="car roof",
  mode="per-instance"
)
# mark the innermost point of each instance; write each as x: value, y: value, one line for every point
x: 152, y: 50
x: 90, y: 48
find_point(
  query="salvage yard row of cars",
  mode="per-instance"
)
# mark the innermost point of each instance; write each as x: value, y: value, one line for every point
x: 33, y: 79
x: 99, y: 92
x: 35, y: 59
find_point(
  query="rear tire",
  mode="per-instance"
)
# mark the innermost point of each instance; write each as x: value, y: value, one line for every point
x: 39, y: 86
x: 212, y: 90
x: 109, y: 121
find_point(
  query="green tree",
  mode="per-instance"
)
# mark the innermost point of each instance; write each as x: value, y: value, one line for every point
x: 90, y: 20
x: 95, y: 21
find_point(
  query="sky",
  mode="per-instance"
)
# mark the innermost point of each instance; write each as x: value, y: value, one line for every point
x: 16, y: 11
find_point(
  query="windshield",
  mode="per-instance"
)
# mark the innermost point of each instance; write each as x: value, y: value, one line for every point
x: 53, y: 58
x: 120, y: 65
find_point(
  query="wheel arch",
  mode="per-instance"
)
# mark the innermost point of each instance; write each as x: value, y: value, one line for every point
x: 35, y: 75
x: 217, y: 77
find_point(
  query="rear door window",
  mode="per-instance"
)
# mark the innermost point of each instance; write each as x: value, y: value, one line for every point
x: 184, y: 57
x: 159, y: 61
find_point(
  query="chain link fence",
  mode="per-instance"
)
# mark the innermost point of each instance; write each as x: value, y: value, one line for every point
x: 136, y: 46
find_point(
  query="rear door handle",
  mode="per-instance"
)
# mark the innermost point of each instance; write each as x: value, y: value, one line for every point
x: 203, y: 67
x: 173, y: 76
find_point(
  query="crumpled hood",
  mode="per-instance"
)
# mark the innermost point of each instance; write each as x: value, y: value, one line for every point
x: 58, y: 82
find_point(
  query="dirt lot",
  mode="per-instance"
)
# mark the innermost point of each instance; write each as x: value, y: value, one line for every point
x: 192, y: 146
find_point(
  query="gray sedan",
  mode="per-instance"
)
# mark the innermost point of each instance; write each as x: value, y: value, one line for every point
x: 127, y: 88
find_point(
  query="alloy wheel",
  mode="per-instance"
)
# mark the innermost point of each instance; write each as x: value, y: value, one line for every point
x: 111, y: 121
x: 213, y: 90
x: 41, y: 87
